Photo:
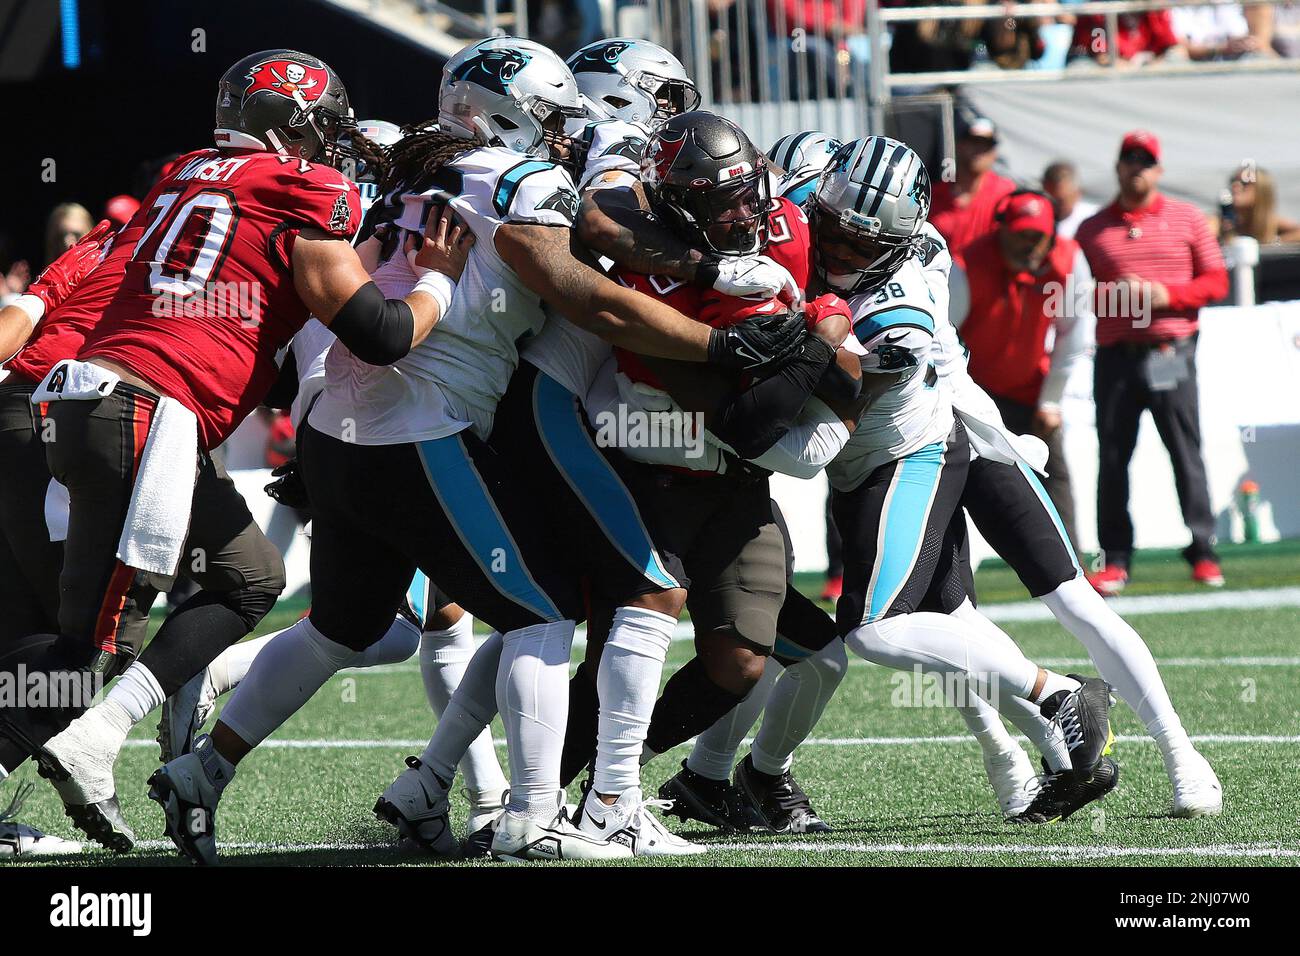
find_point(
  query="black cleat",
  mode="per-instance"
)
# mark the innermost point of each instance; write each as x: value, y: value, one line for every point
x: 1083, y: 716
x: 1067, y: 792
x: 715, y: 803
x: 779, y: 802
x: 103, y: 821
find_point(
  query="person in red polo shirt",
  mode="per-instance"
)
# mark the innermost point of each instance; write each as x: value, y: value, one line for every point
x: 1021, y: 284
x: 962, y: 208
x: 1156, y: 264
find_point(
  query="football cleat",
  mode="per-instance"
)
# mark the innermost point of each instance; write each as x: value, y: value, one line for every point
x: 1207, y: 571
x: 630, y: 822
x: 1197, y: 791
x: 516, y: 839
x: 183, y: 716
x: 416, y: 803
x: 79, y: 762
x: 1083, y: 717
x: 189, y: 801
x: 715, y: 803
x: 1065, y: 793
x: 19, y: 839
x: 1109, y: 581
x: 1013, y: 779
x: 779, y: 802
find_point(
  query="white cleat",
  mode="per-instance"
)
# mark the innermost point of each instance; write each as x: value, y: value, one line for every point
x: 19, y: 839
x: 189, y: 801
x: 79, y: 762
x: 1012, y: 775
x: 416, y: 803
x: 1197, y: 791
x: 629, y: 821
x: 516, y: 838
x: 183, y: 716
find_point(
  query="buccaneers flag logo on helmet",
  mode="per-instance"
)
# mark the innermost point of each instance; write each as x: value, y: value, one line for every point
x: 301, y: 83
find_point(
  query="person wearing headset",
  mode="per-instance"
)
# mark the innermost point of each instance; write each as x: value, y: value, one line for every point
x: 1022, y: 300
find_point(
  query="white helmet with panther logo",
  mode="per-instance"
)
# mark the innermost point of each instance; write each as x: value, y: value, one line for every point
x: 508, y: 91
x: 874, y: 196
x: 626, y: 78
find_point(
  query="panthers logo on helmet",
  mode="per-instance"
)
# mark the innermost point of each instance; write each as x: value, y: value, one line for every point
x: 563, y: 201
x: 296, y: 81
x: 493, y: 69
x: 601, y: 59
x: 840, y: 161
x: 920, y: 192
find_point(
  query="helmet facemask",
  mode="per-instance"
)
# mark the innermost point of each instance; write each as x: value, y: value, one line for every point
x: 850, y: 255
x: 729, y: 219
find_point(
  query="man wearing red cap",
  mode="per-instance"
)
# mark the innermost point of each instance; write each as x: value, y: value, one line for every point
x: 1022, y: 282
x: 1156, y: 264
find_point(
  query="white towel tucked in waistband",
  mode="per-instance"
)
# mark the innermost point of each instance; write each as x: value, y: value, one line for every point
x: 158, y: 518
x: 56, y: 510
x: 989, y: 436
x: 71, y: 379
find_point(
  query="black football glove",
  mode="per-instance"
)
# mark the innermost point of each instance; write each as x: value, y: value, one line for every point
x: 758, y: 343
x: 289, y: 489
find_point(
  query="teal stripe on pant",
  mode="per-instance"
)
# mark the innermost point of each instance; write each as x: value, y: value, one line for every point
x: 1046, y: 499
x: 593, y: 479
x: 907, y: 510
x: 418, y: 595
x: 472, y: 512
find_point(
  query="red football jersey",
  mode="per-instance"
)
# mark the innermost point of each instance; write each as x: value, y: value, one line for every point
x: 207, y: 296
x: 789, y: 244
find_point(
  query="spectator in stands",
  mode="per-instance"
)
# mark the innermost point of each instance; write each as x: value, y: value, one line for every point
x: 1061, y: 182
x: 823, y: 42
x: 68, y: 222
x: 1156, y: 264
x: 1281, y: 25
x: 1141, y: 37
x: 1221, y: 32
x: 1012, y: 41
x: 964, y: 197
x: 931, y: 45
x: 1252, y: 210
x: 1012, y: 289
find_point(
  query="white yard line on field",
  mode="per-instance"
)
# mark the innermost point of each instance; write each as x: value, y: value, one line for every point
x: 1051, y: 851
x: 328, y: 744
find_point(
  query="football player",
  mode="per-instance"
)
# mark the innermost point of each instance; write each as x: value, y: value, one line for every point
x: 418, y: 429
x: 898, y: 482
x: 707, y: 182
x: 230, y: 252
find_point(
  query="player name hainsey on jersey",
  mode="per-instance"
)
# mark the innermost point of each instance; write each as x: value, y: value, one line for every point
x: 212, y: 170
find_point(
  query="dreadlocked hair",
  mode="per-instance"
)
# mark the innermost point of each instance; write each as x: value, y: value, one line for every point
x: 419, y: 154
x: 373, y: 155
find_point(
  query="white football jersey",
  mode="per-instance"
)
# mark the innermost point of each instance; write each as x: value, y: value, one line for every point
x: 455, y: 377
x: 896, y: 326
x: 568, y: 354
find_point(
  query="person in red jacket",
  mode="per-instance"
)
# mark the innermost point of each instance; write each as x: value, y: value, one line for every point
x: 1156, y: 264
x: 1024, y: 283
x: 964, y: 200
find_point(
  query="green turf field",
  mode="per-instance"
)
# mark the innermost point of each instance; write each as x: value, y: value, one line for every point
x: 901, y: 785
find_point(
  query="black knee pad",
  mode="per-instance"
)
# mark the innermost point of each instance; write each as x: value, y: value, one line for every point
x: 251, y: 604
x: 802, y: 629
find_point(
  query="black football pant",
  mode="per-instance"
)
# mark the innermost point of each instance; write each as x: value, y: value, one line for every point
x: 1122, y: 394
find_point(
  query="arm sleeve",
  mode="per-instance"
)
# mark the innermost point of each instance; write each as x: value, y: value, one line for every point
x: 814, y: 440
x: 753, y: 420
x: 1209, y: 274
x: 1075, y: 328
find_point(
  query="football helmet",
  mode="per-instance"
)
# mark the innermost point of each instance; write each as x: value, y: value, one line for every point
x: 867, y: 211
x: 708, y: 183
x: 511, y: 92
x: 287, y: 102
x: 802, y: 156
x: 633, y: 80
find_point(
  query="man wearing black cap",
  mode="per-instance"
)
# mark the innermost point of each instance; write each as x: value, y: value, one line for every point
x: 965, y: 197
